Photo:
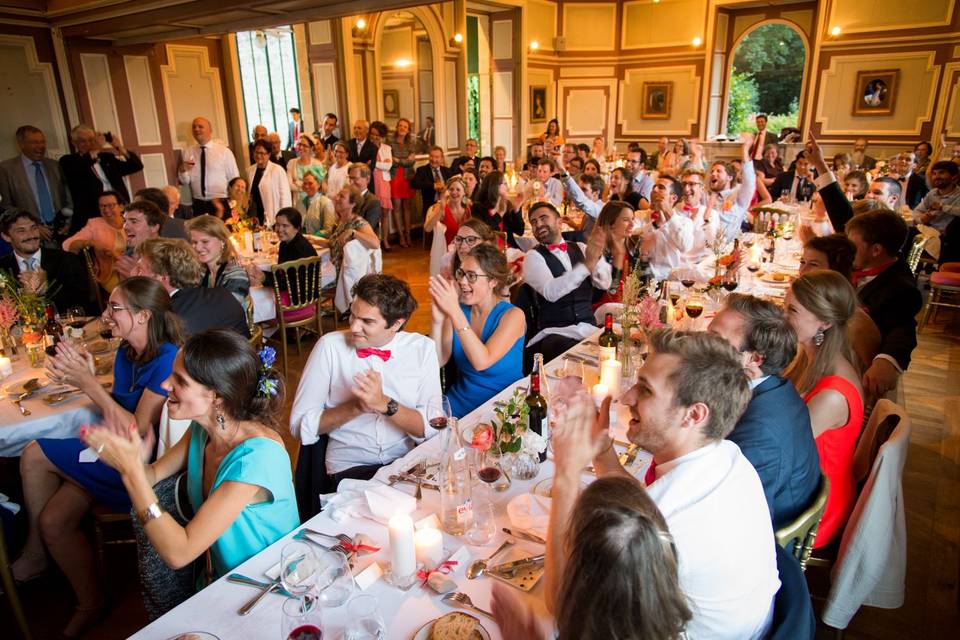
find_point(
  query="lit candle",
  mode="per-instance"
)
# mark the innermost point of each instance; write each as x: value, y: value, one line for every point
x: 6, y: 367
x: 403, y: 555
x: 610, y: 376
x: 248, y: 241
x: 600, y: 392
x: 429, y: 543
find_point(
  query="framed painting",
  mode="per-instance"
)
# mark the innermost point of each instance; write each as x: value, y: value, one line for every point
x: 538, y: 104
x: 657, y: 100
x: 391, y: 103
x: 875, y: 93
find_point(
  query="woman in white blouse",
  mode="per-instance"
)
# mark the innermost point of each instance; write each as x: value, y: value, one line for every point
x: 337, y: 172
x: 269, y: 188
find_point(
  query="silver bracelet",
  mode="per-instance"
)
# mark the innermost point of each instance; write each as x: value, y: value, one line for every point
x: 463, y: 328
x: 152, y: 512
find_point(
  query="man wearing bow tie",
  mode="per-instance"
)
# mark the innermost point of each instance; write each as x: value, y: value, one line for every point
x: 364, y: 393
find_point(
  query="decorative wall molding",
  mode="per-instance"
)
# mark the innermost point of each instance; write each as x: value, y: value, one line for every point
x: 573, y: 92
x: 98, y: 86
x: 326, y: 96
x: 949, y: 121
x: 683, y: 96
x: 590, y: 26
x: 145, y: 119
x: 154, y: 170
x: 938, y: 13
x: 204, y: 86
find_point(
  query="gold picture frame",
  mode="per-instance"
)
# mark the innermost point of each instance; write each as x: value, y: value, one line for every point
x: 875, y: 93
x: 657, y: 100
x: 538, y: 103
x: 391, y: 103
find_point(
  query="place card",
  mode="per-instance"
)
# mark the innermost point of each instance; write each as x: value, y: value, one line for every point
x: 430, y: 522
x: 88, y: 455
x: 368, y: 576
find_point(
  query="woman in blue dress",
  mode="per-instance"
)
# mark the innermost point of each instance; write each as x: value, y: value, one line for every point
x: 239, y: 482
x: 473, y: 325
x: 58, y: 488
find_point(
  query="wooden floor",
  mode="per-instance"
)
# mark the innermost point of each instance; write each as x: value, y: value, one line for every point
x: 931, y: 492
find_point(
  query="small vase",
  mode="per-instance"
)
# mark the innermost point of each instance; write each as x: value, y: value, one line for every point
x: 526, y: 465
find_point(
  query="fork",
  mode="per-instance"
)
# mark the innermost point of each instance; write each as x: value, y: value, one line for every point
x: 463, y: 600
x: 23, y: 396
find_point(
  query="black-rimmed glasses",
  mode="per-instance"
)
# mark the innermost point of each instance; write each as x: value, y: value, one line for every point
x: 471, y: 277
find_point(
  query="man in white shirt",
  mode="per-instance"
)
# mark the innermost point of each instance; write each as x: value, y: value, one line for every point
x: 559, y: 279
x: 668, y: 237
x: 689, y: 394
x: 733, y: 201
x: 207, y: 168
x: 702, y: 218
x: 366, y: 390
x: 544, y: 186
x: 642, y: 184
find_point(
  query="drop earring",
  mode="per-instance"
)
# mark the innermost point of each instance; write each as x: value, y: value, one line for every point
x: 819, y: 337
x: 221, y: 421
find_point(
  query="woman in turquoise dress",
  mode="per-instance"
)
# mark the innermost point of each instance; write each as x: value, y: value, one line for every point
x: 475, y: 327
x: 239, y: 482
x: 59, y: 487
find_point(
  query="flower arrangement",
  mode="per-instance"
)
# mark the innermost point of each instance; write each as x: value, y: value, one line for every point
x: 268, y: 384
x: 29, y: 305
x: 507, y: 432
x: 8, y: 312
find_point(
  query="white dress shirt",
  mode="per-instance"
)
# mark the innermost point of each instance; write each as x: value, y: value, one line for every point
x: 948, y: 212
x: 221, y: 169
x: 411, y: 376
x: 22, y: 262
x: 736, y: 201
x: 575, y: 193
x: 714, y: 506
x: 668, y: 245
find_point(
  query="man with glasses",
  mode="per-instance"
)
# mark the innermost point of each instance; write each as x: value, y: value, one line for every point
x: 40, y: 269
x: 691, y: 206
x: 559, y: 278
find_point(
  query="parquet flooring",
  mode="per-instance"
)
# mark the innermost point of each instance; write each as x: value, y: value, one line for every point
x: 931, y: 484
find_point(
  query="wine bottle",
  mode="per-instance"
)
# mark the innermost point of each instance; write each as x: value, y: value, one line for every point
x: 537, y: 404
x: 52, y: 331
x: 664, y: 303
x: 608, y: 340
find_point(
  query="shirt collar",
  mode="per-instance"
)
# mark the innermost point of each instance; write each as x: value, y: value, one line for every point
x: 23, y: 260
x: 27, y: 162
x: 666, y: 467
x: 756, y: 382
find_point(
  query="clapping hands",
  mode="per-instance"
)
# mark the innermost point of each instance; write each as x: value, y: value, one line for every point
x: 580, y: 433
x: 70, y: 366
x: 446, y: 297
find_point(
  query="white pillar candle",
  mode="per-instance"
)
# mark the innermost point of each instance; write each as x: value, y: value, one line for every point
x: 600, y: 392
x: 248, y: 241
x: 403, y: 556
x: 429, y: 544
x: 6, y: 367
x: 610, y: 376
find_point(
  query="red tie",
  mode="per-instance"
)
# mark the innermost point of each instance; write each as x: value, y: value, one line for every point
x: 872, y: 271
x: 560, y: 246
x: 651, y: 475
x: 383, y: 354
x: 687, y: 207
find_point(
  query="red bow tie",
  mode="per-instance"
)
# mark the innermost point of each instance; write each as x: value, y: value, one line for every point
x: 561, y: 246
x: 651, y: 475
x: 856, y: 276
x: 383, y: 354
x: 687, y: 207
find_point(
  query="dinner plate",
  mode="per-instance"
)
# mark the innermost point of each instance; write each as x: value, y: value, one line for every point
x: 195, y: 635
x: 16, y: 388
x: 768, y: 279
x: 99, y: 346
x: 424, y: 632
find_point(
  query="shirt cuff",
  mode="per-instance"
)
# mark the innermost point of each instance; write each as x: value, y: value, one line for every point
x: 825, y: 179
x: 890, y: 359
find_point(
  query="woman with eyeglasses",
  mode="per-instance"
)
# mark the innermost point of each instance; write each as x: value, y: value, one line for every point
x: 451, y: 209
x: 482, y: 333
x: 59, y: 488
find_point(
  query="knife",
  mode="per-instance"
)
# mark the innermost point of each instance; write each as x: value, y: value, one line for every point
x: 425, y: 485
x: 511, y: 567
x: 524, y: 535
x: 250, y: 582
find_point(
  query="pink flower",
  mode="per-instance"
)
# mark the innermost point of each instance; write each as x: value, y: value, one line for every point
x: 482, y: 437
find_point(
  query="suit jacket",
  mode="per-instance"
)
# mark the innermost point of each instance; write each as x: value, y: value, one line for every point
x: 327, y: 142
x: 916, y: 189
x: 839, y: 209
x: 868, y: 164
x: 66, y: 274
x: 174, y: 228
x: 774, y: 434
x: 15, y: 186
x: 203, y: 308
x: 367, y: 155
x: 784, y: 183
x: 427, y: 137
x: 282, y: 160
x: 86, y: 187
x: 769, y: 137
x: 892, y: 300
x: 292, y: 140
x: 423, y: 181
x: 371, y: 212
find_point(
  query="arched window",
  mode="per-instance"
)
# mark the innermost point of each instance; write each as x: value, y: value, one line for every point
x: 268, y: 78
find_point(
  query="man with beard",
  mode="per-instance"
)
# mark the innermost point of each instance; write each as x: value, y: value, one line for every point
x: 731, y: 200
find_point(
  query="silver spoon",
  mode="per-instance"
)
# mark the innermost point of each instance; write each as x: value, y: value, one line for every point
x: 477, y: 567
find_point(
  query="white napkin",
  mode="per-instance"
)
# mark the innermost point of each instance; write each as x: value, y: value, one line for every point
x: 366, y: 499
x: 531, y: 513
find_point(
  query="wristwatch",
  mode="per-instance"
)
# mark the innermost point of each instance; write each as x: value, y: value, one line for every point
x: 392, y: 407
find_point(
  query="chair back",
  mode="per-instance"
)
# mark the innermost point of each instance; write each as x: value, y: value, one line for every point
x: 793, y: 617
x: 916, y: 250
x: 884, y: 419
x: 9, y: 588
x: 798, y: 536
x: 90, y: 260
x: 302, y: 281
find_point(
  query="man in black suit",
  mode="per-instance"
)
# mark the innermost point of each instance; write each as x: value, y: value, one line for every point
x: 96, y: 166
x: 39, y: 268
x: 171, y: 227
x: 888, y: 292
x: 327, y: 137
x: 259, y: 133
x: 797, y: 184
x: 294, y: 130
x: 774, y: 432
x: 762, y: 138
x: 278, y: 155
x: 174, y: 264
x: 360, y: 149
x: 431, y: 178
x: 913, y: 185
x: 428, y: 135
x: 468, y: 160
x: 370, y: 210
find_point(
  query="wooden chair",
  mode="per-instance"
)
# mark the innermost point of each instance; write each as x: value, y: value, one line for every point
x: 944, y: 290
x: 916, y: 250
x: 798, y: 536
x: 90, y: 259
x: 10, y: 588
x: 299, y: 304
x: 110, y: 528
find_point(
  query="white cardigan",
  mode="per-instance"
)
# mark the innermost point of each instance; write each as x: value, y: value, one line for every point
x: 274, y: 190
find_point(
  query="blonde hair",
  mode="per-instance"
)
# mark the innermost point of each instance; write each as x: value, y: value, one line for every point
x: 215, y: 228
x: 831, y: 298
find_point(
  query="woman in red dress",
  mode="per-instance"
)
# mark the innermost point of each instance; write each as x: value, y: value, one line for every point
x: 819, y: 304
x: 451, y: 209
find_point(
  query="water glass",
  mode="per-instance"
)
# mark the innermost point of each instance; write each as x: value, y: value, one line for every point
x: 334, y: 579
x: 299, y: 568
x: 364, y: 620
x: 484, y: 521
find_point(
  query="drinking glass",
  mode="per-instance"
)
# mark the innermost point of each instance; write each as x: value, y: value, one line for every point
x: 731, y: 280
x: 364, y: 621
x: 694, y: 309
x: 489, y: 471
x: 300, y: 620
x: 299, y: 569
x: 334, y: 579
x: 438, y: 413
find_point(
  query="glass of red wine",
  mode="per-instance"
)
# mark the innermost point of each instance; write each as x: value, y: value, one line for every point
x: 490, y: 472
x: 438, y: 413
x: 731, y: 280
x: 300, y: 620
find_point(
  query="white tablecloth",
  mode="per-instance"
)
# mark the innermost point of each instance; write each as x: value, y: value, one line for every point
x: 214, y: 609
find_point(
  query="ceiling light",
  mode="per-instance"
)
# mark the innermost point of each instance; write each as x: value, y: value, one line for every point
x: 835, y: 31
x: 361, y: 24
x: 697, y: 42
x: 534, y: 45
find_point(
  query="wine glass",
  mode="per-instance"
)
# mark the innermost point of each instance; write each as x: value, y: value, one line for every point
x: 694, y: 308
x: 731, y: 279
x: 489, y: 470
x: 688, y: 278
x: 364, y: 621
x: 438, y: 413
x: 299, y: 568
x: 300, y: 620
x: 334, y: 579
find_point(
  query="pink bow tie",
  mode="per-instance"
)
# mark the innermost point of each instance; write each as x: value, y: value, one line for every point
x: 383, y: 354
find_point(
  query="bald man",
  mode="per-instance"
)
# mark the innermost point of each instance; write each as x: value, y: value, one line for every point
x: 207, y: 167
x: 176, y: 209
x: 360, y: 149
x: 259, y: 133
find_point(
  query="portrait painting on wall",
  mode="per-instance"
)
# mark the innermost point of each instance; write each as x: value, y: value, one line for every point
x: 875, y: 93
x: 391, y: 103
x: 538, y: 104
x: 657, y: 99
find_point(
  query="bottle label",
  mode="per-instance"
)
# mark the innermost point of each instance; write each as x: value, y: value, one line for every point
x: 608, y: 353
x: 465, y: 512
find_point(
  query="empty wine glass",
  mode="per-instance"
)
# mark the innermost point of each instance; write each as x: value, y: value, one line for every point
x: 298, y: 568
x: 364, y: 621
x: 334, y: 579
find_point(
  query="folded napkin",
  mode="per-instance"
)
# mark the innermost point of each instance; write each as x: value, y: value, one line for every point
x: 366, y: 499
x: 529, y: 512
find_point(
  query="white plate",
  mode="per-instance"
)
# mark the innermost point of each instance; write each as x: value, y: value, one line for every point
x: 195, y: 635
x: 16, y: 388
x: 424, y: 632
x: 768, y: 279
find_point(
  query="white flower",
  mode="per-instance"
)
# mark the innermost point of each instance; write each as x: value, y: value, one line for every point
x: 532, y: 442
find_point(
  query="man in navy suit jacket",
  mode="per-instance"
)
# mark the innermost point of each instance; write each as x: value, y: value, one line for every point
x: 774, y: 432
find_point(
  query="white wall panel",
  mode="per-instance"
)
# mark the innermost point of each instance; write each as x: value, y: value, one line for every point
x: 192, y: 88
x: 99, y: 88
x: 143, y: 100
x: 154, y: 170
x: 450, y: 98
x: 325, y: 89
